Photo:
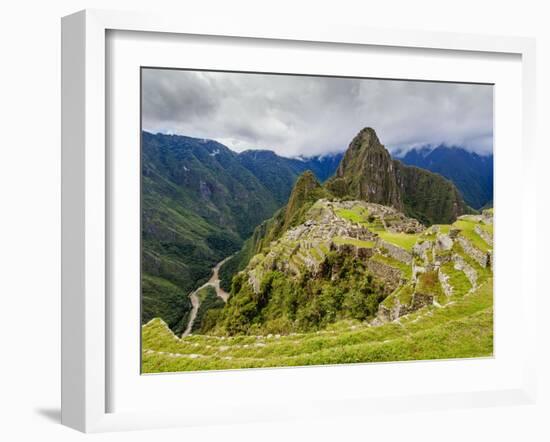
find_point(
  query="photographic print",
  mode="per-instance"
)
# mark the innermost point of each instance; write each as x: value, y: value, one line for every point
x: 293, y: 220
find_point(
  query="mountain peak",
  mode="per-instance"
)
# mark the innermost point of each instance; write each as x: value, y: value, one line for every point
x: 306, y: 186
x: 306, y: 191
x: 366, y: 172
x: 365, y: 138
x: 307, y: 180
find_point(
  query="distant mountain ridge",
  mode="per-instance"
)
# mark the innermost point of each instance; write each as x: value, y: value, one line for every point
x: 278, y: 173
x: 470, y: 172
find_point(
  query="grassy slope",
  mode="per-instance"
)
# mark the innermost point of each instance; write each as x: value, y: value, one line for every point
x: 360, y: 215
x: 353, y: 242
x: 404, y: 240
x: 463, y: 328
x: 467, y: 230
x: 165, y: 299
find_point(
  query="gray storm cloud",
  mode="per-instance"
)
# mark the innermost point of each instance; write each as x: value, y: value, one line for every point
x: 299, y: 115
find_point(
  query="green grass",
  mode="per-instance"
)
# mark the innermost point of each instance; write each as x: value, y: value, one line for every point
x: 461, y: 329
x: 460, y: 326
x: 483, y: 273
x: 360, y: 215
x: 428, y: 284
x: 354, y: 242
x: 444, y: 228
x: 487, y: 227
x: 457, y: 279
x: 467, y: 230
x: 402, y: 294
x: 405, y: 294
x: 316, y: 255
x: 375, y: 226
x: 357, y: 214
x: 404, y: 240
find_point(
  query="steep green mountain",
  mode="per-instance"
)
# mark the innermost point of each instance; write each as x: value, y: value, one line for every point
x: 429, y: 197
x: 200, y: 201
x: 367, y: 172
x: 471, y: 173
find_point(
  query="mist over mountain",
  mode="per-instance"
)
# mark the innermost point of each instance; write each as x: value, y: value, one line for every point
x: 311, y: 115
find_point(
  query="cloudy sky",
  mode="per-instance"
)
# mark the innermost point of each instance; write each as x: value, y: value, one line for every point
x: 295, y: 115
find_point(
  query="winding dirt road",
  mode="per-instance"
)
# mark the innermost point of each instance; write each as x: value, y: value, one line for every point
x: 214, y: 281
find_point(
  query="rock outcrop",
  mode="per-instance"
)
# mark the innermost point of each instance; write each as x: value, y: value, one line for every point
x: 367, y: 172
x: 306, y: 191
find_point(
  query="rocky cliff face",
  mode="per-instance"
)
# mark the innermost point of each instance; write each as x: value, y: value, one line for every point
x: 367, y: 172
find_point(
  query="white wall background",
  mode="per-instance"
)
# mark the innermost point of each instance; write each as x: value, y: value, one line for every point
x: 30, y: 216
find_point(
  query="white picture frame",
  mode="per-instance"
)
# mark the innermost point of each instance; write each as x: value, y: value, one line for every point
x: 86, y: 206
